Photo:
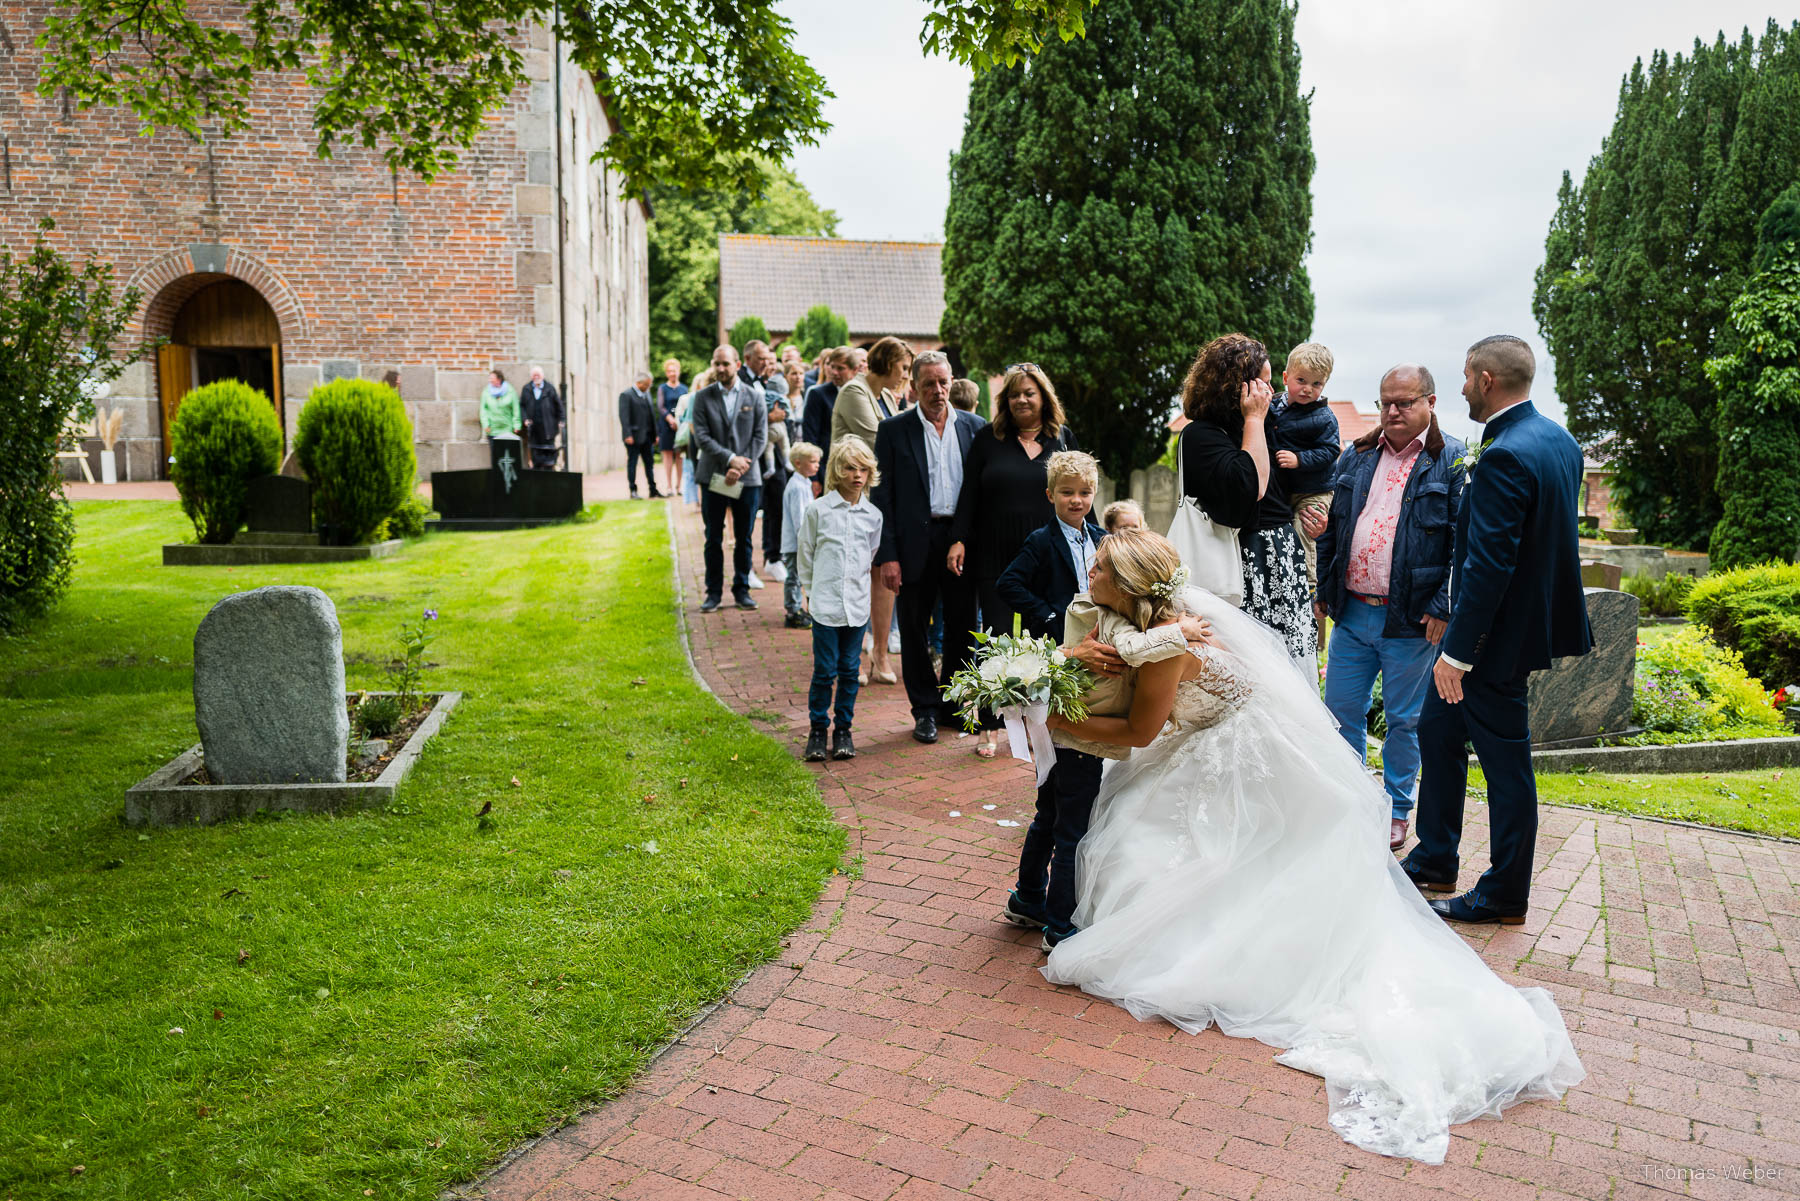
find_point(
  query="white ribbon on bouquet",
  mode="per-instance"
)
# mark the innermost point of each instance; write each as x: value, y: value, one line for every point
x: 1028, y: 734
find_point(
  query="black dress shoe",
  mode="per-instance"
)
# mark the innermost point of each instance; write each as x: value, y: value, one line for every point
x: 925, y: 729
x: 744, y: 601
x: 841, y: 746
x: 709, y: 605
x: 1424, y: 881
x: 1474, y: 908
x: 815, y: 747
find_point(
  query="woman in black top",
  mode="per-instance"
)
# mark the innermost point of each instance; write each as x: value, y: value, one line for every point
x: 1226, y: 457
x: 1003, y: 497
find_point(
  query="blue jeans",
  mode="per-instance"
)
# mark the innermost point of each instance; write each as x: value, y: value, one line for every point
x: 1359, y: 652
x: 837, y: 654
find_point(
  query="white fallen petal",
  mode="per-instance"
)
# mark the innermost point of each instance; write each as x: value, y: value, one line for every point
x: 956, y: 813
x: 650, y: 847
x: 177, y: 1030
x: 1006, y: 822
x: 990, y: 806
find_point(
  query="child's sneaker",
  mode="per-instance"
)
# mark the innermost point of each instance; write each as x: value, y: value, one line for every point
x: 815, y: 747
x: 1052, y: 937
x: 1021, y: 914
x: 842, y: 746
x: 797, y: 621
x: 756, y: 580
x: 775, y: 569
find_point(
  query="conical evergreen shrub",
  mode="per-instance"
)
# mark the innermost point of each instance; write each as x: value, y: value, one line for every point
x: 356, y: 446
x: 224, y: 435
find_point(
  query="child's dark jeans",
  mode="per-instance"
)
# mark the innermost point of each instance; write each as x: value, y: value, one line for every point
x: 1064, y: 804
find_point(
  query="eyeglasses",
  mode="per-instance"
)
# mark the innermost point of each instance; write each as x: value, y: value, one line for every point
x: 1398, y: 405
x: 1023, y: 367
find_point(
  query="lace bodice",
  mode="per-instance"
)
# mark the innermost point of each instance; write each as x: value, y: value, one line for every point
x: 1206, y: 699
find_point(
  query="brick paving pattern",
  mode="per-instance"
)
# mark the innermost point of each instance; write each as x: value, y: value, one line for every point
x: 906, y: 1047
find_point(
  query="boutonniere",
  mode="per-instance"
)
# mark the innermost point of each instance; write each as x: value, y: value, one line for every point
x: 1469, y: 458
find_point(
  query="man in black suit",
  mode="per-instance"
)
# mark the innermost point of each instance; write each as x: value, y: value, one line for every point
x: 637, y: 425
x: 919, y: 457
x: 1516, y: 604
x: 815, y: 415
x: 731, y: 427
x: 543, y: 412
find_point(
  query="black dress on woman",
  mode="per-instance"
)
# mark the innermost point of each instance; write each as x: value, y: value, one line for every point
x: 1002, y: 503
x: 1221, y: 476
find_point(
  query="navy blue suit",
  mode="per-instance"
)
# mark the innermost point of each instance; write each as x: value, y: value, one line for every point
x: 1516, y: 604
x: 1044, y: 577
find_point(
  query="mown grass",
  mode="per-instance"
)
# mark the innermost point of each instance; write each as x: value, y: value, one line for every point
x: 1762, y: 802
x: 384, y: 1000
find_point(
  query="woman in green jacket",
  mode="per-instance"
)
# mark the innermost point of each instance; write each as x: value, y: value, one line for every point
x: 500, y: 419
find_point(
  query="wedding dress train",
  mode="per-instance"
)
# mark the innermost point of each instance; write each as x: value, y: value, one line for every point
x: 1236, y: 872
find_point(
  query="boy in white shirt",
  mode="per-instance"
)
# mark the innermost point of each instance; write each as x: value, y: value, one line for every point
x: 838, y: 538
x: 804, y: 459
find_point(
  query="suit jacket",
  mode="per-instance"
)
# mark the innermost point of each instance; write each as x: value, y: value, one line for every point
x: 1516, y: 595
x: 858, y: 411
x: 637, y: 417
x: 815, y: 420
x: 718, y: 442
x: 544, y: 410
x: 904, y: 493
x: 1043, y: 578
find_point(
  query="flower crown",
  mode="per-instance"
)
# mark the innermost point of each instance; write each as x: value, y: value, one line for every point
x: 1165, y: 589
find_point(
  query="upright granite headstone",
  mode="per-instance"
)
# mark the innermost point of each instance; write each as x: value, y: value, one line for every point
x: 269, y: 688
x: 279, y: 504
x: 1588, y: 695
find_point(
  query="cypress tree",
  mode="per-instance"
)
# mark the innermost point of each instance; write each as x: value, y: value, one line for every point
x: 1121, y: 199
x: 1644, y: 258
x: 1758, y: 423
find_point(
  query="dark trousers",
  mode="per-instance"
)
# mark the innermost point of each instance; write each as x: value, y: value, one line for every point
x: 1494, y: 718
x: 644, y: 449
x: 773, y: 485
x: 1064, y: 804
x: 915, y: 604
x: 997, y: 617
x: 743, y: 512
x: 543, y: 458
x: 837, y: 656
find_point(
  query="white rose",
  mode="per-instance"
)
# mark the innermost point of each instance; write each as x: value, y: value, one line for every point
x: 993, y: 668
x: 1029, y: 667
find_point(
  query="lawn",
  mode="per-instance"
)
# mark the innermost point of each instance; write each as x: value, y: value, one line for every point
x: 379, y: 1003
x: 1763, y: 802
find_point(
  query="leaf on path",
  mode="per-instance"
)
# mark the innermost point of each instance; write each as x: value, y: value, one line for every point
x: 243, y: 955
x: 515, y: 783
x: 639, y: 682
x: 218, y: 1015
x: 78, y: 1169
x: 231, y: 892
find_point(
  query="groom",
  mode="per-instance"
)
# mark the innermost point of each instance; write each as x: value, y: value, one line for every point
x: 1517, y: 603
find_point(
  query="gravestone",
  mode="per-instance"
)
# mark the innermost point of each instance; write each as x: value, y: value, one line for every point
x: 504, y: 496
x: 269, y: 688
x: 280, y: 504
x: 1586, y: 695
x: 1595, y: 574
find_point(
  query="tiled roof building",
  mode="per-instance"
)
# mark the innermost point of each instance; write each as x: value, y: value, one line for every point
x: 880, y: 288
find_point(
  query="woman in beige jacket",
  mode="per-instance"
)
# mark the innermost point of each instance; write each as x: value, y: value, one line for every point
x: 862, y: 404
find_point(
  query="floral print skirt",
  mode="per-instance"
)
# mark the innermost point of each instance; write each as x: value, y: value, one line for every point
x: 1275, y: 588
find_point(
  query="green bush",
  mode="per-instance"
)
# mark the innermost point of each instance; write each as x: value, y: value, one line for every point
x: 356, y: 446
x: 377, y: 716
x: 819, y: 329
x: 408, y: 521
x: 224, y: 435
x: 747, y: 329
x: 1688, y: 685
x: 1756, y: 611
x: 1666, y: 597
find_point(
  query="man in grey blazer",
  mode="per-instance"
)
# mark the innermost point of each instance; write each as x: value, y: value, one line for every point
x: 731, y: 426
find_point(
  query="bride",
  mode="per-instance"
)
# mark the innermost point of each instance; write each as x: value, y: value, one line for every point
x: 1236, y: 872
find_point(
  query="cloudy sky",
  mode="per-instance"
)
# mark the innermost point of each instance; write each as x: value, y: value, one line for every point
x: 1441, y: 131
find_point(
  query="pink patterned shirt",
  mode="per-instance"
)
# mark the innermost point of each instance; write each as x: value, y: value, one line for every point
x: 1372, y: 545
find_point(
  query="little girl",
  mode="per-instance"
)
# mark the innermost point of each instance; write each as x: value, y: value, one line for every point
x: 838, y: 539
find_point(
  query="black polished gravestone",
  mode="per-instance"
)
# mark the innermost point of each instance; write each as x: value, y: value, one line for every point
x: 279, y: 504
x: 505, y: 496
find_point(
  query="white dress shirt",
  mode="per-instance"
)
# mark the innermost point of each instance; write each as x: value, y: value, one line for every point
x: 837, y: 548
x: 1080, y: 550
x: 943, y: 464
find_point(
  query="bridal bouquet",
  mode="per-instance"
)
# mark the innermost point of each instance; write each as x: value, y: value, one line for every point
x: 1024, y: 680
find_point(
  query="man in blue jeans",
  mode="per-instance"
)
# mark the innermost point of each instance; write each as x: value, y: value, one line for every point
x: 1384, y: 575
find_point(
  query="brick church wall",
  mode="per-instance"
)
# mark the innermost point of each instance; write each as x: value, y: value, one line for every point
x: 367, y: 270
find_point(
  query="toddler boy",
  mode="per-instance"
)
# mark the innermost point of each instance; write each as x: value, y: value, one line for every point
x: 1306, y: 439
x: 1124, y: 514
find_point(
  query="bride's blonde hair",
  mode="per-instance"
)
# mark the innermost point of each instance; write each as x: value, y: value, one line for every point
x: 1143, y: 563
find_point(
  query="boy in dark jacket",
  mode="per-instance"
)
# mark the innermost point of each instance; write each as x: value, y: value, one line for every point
x: 1306, y: 439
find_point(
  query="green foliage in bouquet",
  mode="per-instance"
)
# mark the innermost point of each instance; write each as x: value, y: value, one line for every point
x: 1011, y: 671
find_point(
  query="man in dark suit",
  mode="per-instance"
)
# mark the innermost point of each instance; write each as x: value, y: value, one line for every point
x: 1516, y: 604
x: 815, y: 414
x: 637, y: 425
x: 731, y: 427
x: 543, y: 412
x: 919, y: 458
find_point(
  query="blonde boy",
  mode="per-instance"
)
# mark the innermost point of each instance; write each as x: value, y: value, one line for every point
x: 1306, y: 439
x: 804, y: 458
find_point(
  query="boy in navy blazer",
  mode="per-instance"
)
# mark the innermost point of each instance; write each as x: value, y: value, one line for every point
x: 1052, y: 564
x: 1051, y: 567
x: 1516, y: 603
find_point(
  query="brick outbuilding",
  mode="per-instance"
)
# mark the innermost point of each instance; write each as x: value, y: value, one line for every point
x: 259, y: 260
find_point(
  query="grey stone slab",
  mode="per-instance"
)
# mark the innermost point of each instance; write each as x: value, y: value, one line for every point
x: 161, y: 799
x: 1590, y: 694
x: 269, y: 688
x: 1738, y: 754
x: 418, y: 381
x: 263, y: 551
x: 339, y: 369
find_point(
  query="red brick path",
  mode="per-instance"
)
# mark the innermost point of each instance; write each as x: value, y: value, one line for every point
x: 906, y: 1047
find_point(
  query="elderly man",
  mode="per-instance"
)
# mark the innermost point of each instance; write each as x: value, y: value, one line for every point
x: 919, y: 458
x: 1384, y: 575
x: 731, y: 427
x: 637, y: 425
x: 543, y: 410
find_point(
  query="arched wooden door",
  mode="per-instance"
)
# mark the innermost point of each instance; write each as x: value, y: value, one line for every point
x: 226, y: 330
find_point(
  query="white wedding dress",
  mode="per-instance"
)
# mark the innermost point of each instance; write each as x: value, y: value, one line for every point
x: 1237, y: 872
